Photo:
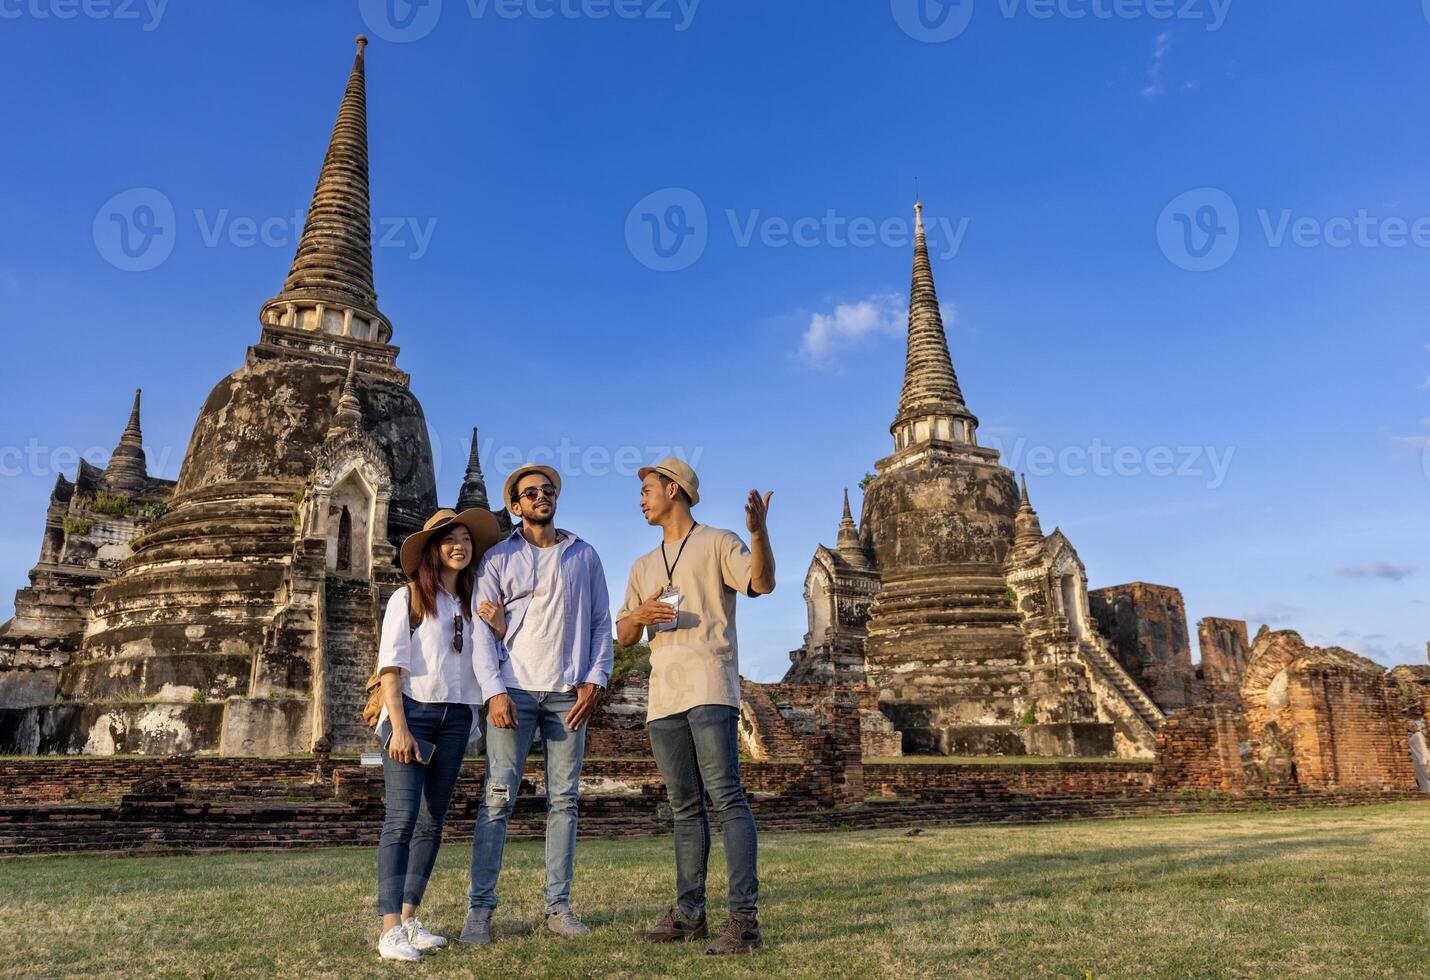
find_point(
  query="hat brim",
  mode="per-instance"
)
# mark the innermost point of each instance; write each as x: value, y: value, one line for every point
x: 481, y: 524
x: 646, y: 471
x: 522, y: 471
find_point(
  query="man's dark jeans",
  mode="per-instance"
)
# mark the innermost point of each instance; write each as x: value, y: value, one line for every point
x: 417, y: 800
x: 698, y: 751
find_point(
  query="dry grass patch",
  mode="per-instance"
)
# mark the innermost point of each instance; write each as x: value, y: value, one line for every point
x: 1328, y: 893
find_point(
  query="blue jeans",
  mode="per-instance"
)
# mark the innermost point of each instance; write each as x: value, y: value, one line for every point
x: 507, y: 749
x: 698, y: 751
x: 417, y: 800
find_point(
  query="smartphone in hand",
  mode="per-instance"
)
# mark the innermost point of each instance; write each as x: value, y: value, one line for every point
x: 425, y: 749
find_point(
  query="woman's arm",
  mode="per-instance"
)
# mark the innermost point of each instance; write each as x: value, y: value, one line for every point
x: 402, y: 747
x: 394, y: 655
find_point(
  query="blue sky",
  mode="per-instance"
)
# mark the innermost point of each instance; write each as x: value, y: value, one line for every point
x: 1253, y: 433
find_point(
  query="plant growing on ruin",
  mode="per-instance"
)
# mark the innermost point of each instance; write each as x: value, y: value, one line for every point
x: 200, y: 697
x: 864, y: 483
x: 1029, y: 717
x: 632, y: 658
x: 152, y: 512
x: 77, y: 526
x: 108, y: 504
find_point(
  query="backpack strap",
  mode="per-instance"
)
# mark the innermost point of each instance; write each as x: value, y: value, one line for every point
x: 412, y: 621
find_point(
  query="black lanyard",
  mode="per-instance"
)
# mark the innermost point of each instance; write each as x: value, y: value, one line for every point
x: 669, y: 565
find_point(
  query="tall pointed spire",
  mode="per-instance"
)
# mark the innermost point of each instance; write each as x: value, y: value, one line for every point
x: 931, y: 405
x: 848, y: 545
x: 127, y: 471
x: 474, y: 485
x: 349, y: 413
x: 1027, y: 529
x: 330, y: 286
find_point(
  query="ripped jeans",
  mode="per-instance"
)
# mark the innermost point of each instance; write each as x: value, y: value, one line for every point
x: 506, y: 758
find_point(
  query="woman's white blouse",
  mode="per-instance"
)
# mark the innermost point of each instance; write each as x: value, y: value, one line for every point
x: 433, y: 671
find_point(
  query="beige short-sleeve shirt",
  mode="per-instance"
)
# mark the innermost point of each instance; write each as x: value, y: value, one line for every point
x: 697, y: 662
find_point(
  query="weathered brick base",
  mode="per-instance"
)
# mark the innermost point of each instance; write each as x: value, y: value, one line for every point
x: 213, y: 804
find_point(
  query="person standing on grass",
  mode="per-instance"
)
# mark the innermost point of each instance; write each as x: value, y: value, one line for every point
x: 683, y: 594
x: 542, y: 665
x: 429, y: 700
x: 1420, y: 755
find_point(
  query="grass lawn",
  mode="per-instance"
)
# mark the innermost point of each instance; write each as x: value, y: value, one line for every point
x: 1337, y: 893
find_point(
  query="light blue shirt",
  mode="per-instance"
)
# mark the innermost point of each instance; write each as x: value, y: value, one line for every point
x: 508, y: 570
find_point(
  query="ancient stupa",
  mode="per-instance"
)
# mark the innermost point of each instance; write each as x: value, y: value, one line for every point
x: 236, y: 611
x: 972, y: 626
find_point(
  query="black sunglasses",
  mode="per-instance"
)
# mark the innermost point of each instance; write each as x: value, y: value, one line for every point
x: 457, y: 633
x: 530, y: 494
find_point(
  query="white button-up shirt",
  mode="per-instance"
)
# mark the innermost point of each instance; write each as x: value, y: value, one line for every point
x: 434, y: 671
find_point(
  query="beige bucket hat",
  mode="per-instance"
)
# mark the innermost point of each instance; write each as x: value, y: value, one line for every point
x: 527, y: 470
x: 481, y: 523
x: 679, y: 471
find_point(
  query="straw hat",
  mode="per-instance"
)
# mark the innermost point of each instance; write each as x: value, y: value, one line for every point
x: 679, y: 471
x: 527, y: 470
x: 481, y: 523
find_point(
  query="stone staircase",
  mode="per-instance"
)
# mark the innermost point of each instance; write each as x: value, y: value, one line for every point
x: 766, y: 734
x: 351, y: 637
x: 1109, y: 674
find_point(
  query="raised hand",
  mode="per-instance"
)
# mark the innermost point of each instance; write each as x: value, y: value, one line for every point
x: 757, y: 508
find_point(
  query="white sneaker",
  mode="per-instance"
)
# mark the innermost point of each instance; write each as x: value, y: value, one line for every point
x: 420, y: 938
x: 394, y: 945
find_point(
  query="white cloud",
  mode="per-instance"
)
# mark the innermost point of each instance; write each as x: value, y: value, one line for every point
x: 1375, y: 569
x: 1273, y: 614
x: 830, y: 334
x: 1160, y: 49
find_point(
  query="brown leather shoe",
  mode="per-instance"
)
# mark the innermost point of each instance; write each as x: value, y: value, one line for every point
x: 674, y: 927
x: 740, y: 935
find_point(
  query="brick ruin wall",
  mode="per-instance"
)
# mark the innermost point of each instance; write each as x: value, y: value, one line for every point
x: 1327, y: 720
x: 1146, y: 627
